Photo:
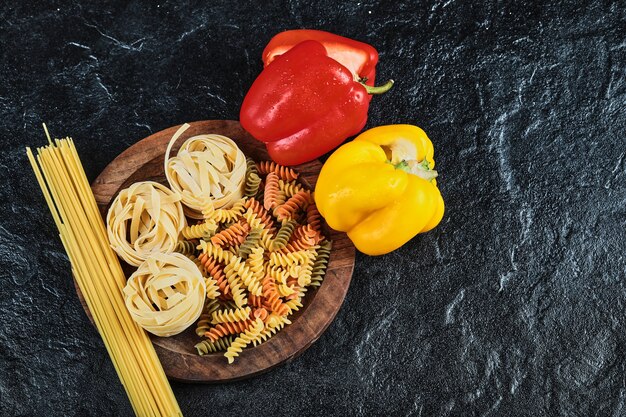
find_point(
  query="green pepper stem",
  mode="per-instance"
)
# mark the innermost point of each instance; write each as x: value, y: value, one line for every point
x: 420, y: 169
x: 378, y: 89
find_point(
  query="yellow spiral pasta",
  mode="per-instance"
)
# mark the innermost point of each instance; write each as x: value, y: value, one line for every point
x: 256, y: 263
x: 166, y: 294
x: 247, y: 337
x: 291, y: 258
x: 144, y: 218
x: 234, y: 282
x: 293, y: 305
x: 212, y: 289
x: 204, y: 230
x: 215, y: 252
x: 240, y: 269
x: 207, y: 167
x: 273, y: 324
x: 230, y: 316
x: 228, y: 215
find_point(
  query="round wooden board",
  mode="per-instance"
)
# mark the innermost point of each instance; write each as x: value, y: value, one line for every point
x: 144, y: 161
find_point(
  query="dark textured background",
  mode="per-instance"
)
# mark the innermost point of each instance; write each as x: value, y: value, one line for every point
x: 514, y: 305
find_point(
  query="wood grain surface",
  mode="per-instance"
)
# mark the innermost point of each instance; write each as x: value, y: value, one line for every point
x: 144, y: 161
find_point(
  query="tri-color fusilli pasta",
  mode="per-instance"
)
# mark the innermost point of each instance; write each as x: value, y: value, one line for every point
x: 261, y: 257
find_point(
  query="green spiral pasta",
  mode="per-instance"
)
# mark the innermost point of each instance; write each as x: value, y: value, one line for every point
x: 206, y: 346
x: 321, y: 263
x: 251, y: 242
x: 185, y: 247
x: 204, y: 323
x: 283, y: 235
x: 253, y: 180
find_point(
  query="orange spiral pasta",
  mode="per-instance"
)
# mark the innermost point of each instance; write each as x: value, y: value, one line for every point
x: 255, y: 300
x: 297, y: 202
x: 259, y: 313
x: 272, y: 298
x: 271, y: 194
x: 284, y: 173
x: 313, y: 217
x: 215, y: 270
x: 224, y: 329
x: 308, y: 234
x: 233, y: 235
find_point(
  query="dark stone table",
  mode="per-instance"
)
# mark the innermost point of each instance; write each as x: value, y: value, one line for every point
x: 514, y: 305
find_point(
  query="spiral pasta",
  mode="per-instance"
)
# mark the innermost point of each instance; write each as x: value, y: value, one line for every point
x: 238, y: 314
x: 313, y: 217
x: 253, y: 181
x: 290, y: 258
x: 234, y: 281
x: 273, y: 324
x: 207, y: 167
x: 166, y: 294
x: 320, y: 264
x: 241, y: 270
x: 206, y: 346
x: 212, y: 289
x: 186, y: 247
x: 250, y: 243
x: 256, y: 263
x: 233, y: 235
x: 213, y: 251
x: 284, y: 173
x: 249, y: 336
x: 273, y: 301
x: 283, y: 235
x: 271, y: 194
x: 289, y: 187
x: 228, y: 215
x: 203, y: 230
x: 288, y: 210
x: 227, y: 328
x: 204, y: 322
x: 144, y: 219
x: 215, y: 270
x: 262, y: 258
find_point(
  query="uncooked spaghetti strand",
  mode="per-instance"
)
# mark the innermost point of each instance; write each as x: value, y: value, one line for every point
x: 81, y: 229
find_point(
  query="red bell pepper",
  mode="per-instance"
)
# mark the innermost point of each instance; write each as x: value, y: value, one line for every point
x: 360, y: 58
x: 305, y: 104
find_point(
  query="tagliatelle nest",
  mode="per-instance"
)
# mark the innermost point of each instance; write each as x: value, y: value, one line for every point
x: 145, y: 218
x: 209, y: 172
x: 166, y: 294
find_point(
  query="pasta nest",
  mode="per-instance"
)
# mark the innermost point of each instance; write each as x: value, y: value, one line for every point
x: 207, y: 169
x: 144, y: 219
x: 166, y: 294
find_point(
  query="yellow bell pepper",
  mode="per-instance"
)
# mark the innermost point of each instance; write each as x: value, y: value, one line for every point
x: 380, y: 188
